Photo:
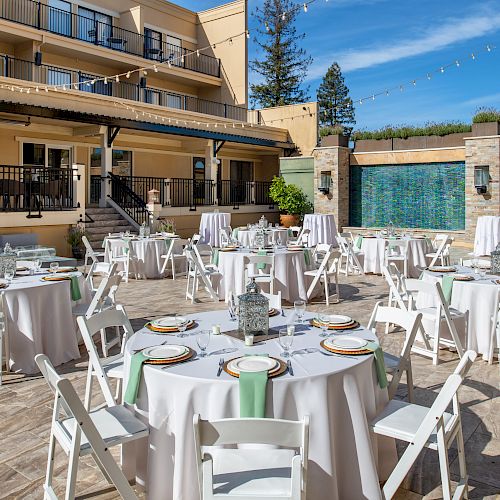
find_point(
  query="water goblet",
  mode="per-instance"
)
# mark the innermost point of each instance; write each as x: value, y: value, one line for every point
x: 203, y: 339
x: 181, y: 327
x: 286, y: 341
x: 54, y: 266
x: 9, y: 275
x: 324, y: 321
x: 300, y: 309
x: 37, y: 264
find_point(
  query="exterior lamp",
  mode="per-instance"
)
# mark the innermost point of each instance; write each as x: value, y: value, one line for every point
x: 325, y: 182
x: 153, y: 196
x: 481, y: 178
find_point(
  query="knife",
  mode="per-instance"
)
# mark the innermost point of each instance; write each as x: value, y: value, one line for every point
x: 221, y: 364
x: 289, y: 366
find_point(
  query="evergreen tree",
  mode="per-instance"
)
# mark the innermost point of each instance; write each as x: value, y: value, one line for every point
x: 285, y: 64
x: 334, y: 101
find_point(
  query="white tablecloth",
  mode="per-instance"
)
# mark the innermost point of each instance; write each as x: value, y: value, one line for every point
x: 148, y: 252
x: 289, y: 270
x: 323, y: 229
x: 478, y: 297
x: 247, y: 236
x: 40, y: 320
x: 373, y: 250
x: 210, y: 224
x: 339, y: 395
x: 487, y: 235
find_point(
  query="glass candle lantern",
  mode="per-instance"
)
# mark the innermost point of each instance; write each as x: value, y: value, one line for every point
x: 253, y: 311
x: 495, y: 260
x: 7, y: 260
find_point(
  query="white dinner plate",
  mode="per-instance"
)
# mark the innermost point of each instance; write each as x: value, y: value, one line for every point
x: 253, y: 364
x: 165, y: 351
x: 463, y: 277
x: 347, y: 343
x: 338, y: 319
x: 169, y: 321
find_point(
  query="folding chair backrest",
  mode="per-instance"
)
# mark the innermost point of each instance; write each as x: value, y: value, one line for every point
x: 258, y: 259
x: 396, y: 282
x: 304, y: 236
x: 400, y: 245
x: 295, y: 230
x: 106, y: 289
x: 88, y: 247
x: 480, y: 262
x: 274, y: 299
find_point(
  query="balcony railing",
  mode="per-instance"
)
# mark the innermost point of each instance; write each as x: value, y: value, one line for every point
x: 35, y: 189
x: 45, y: 74
x: 45, y: 17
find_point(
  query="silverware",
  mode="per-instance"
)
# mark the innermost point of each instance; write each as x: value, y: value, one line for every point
x: 135, y: 351
x: 282, y: 312
x: 290, y: 368
x: 221, y: 365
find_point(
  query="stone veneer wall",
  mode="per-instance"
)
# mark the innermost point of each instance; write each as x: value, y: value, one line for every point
x: 481, y: 151
x: 336, y: 161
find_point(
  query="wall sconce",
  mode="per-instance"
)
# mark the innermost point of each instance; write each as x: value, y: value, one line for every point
x: 481, y: 178
x: 153, y: 196
x: 325, y: 182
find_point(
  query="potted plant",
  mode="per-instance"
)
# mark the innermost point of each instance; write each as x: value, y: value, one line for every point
x: 291, y: 200
x: 74, y: 239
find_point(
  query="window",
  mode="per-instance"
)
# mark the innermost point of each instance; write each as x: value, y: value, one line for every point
x: 41, y: 155
x: 33, y: 154
x: 174, y: 101
x: 152, y: 44
x: 122, y: 161
x: 152, y: 96
x: 99, y: 86
x: 94, y: 27
x: 60, y: 17
x: 174, y: 50
x: 241, y: 170
x: 58, y: 77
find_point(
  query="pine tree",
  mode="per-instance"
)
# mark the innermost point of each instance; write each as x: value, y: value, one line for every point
x: 285, y: 64
x: 334, y: 102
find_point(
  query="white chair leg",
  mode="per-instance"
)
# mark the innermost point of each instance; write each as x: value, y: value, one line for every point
x: 88, y: 388
x: 461, y: 461
x: 50, y: 462
x: 72, y: 473
x: 409, y: 382
x: 173, y: 268
x: 104, y: 345
x: 443, y: 462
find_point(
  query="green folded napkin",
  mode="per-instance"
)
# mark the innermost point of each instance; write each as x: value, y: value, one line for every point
x: 378, y: 355
x: 252, y: 387
x: 236, y: 230
x: 307, y: 256
x: 134, y: 378
x: 75, y: 289
x: 215, y: 257
x: 358, y: 242
x: 290, y: 233
x: 447, y: 287
x: 261, y: 265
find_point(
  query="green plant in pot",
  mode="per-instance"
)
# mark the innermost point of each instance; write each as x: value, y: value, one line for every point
x: 74, y: 239
x: 291, y: 200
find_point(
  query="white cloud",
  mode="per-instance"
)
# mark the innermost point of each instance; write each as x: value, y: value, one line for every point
x: 437, y: 38
x: 484, y: 100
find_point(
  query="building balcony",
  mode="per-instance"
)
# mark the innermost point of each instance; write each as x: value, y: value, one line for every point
x: 47, y: 75
x: 60, y: 22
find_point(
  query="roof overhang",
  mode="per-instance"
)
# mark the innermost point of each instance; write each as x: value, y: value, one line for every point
x: 94, y: 119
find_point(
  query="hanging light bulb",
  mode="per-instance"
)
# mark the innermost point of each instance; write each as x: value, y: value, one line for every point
x: 248, y: 34
x: 373, y: 97
x: 267, y: 26
x: 230, y: 41
x: 442, y: 69
x: 37, y: 89
x: 488, y: 48
x: 386, y: 93
x: 182, y: 59
x: 401, y: 88
x: 414, y: 83
x: 169, y: 64
x: 473, y: 56
x: 305, y: 7
x: 429, y: 76
x: 197, y: 53
x: 117, y: 78
x: 128, y: 74
x: 144, y: 72
x: 105, y: 81
x: 155, y: 68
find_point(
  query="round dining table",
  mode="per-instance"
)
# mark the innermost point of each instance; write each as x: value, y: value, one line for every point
x: 40, y: 320
x: 478, y: 296
x: 148, y: 252
x: 487, y: 235
x: 246, y: 237
x: 322, y: 227
x: 340, y: 395
x: 289, y: 278
x: 210, y: 225
x: 373, y: 249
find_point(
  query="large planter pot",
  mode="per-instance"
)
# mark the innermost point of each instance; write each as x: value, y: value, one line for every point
x: 485, y: 129
x: 288, y: 220
x: 77, y: 252
x: 334, y: 140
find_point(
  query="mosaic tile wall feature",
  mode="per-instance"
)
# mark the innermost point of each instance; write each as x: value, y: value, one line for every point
x: 429, y: 195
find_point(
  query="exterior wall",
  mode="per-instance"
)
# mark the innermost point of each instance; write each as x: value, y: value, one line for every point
x: 408, y: 157
x: 480, y: 151
x: 299, y: 170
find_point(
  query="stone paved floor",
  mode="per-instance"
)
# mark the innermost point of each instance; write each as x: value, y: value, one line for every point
x: 26, y: 404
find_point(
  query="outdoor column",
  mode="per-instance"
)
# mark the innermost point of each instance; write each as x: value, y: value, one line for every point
x: 211, y: 170
x: 106, y: 167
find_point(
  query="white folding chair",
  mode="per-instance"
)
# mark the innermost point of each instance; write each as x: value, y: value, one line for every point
x: 260, y: 268
x: 204, y: 250
x: 173, y: 256
x: 122, y: 252
x: 274, y: 300
x: 396, y: 251
x: 398, y: 295
x: 435, y: 318
x: 4, y: 336
x: 81, y: 433
x: 432, y: 428
x: 295, y: 231
x: 324, y: 273
x: 349, y: 237
x: 102, y: 269
x: 198, y: 271
x: 482, y: 263
x: 90, y: 253
x: 495, y: 330
x: 302, y: 236
x: 351, y: 256
x: 231, y: 473
x: 109, y: 367
x: 441, y: 244
x: 395, y: 365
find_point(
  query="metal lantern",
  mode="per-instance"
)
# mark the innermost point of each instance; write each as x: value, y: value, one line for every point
x: 7, y: 260
x: 253, y: 311
x: 153, y: 196
x: 495, y: 260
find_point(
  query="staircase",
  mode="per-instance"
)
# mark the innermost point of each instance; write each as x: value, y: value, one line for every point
x: 106, y: 220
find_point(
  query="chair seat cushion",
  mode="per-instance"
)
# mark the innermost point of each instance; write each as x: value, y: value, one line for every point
x: 252, y: 472
x: 401, y: 420
x: 116, y: 425
x: 430, y: 312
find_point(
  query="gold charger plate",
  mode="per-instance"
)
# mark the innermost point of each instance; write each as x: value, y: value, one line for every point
x: 273, y: 312
x: 357, y: 352
x: 349, y: 326
x: 282, y: 368
x: 445, y: 270
x: 56, y: 278
x: 191, y: 324
x: 171, y: 361
x: 67, y: 270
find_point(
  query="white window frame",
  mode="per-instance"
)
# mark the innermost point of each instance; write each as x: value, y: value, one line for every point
x: 47, y: 144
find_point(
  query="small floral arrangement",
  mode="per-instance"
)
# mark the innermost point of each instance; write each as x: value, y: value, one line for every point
x: 74, y: 236
x: 166, y: 226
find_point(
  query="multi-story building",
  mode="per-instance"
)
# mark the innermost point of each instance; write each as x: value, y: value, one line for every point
x: 73, y: 134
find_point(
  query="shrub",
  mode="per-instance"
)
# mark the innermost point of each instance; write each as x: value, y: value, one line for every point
x: 289, y: 197
x: 329, y: 130
x: 485, y: 115
x: 405, y: 131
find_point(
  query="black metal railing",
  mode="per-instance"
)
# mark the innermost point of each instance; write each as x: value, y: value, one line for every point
x: 48, y: 75
x: 262, y: 196
x: 132, y: 204
x: 95, y: 189
x: 141, y: 185
x: 190, y: 192
x: 234, y: 193
x: 88, y: 29
x: 37, y: 188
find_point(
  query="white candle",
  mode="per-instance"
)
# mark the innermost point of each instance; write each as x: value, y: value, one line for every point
x: 290, y: 329
x: 248, y: 339
x: 215, y: 329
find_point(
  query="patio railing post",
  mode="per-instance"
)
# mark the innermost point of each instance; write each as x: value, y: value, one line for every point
x: 168, y: 192
x: 253, y: 198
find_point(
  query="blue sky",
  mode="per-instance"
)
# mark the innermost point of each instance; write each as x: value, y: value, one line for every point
x: 384, y: 43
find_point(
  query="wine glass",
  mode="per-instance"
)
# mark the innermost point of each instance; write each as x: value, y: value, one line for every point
x: 203, y: 339
x: 9, y: 275
x: 54, y: 266
x: 286, y: 341
x: 324, y: 321
x: 37, y: 264
x: 181, y: 325
x: 300, y: 309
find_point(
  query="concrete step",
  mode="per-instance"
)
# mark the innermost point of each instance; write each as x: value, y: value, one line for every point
x: 108, y: 217
x: 108, y: 223
x: 106, y: 220
x: 98, y: 210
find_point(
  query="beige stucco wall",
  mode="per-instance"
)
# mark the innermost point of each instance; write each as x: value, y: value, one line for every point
x: 415, y: 156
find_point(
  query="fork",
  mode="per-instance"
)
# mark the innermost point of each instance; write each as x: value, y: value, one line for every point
x: 221, y: 365
x: 135, y: 351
